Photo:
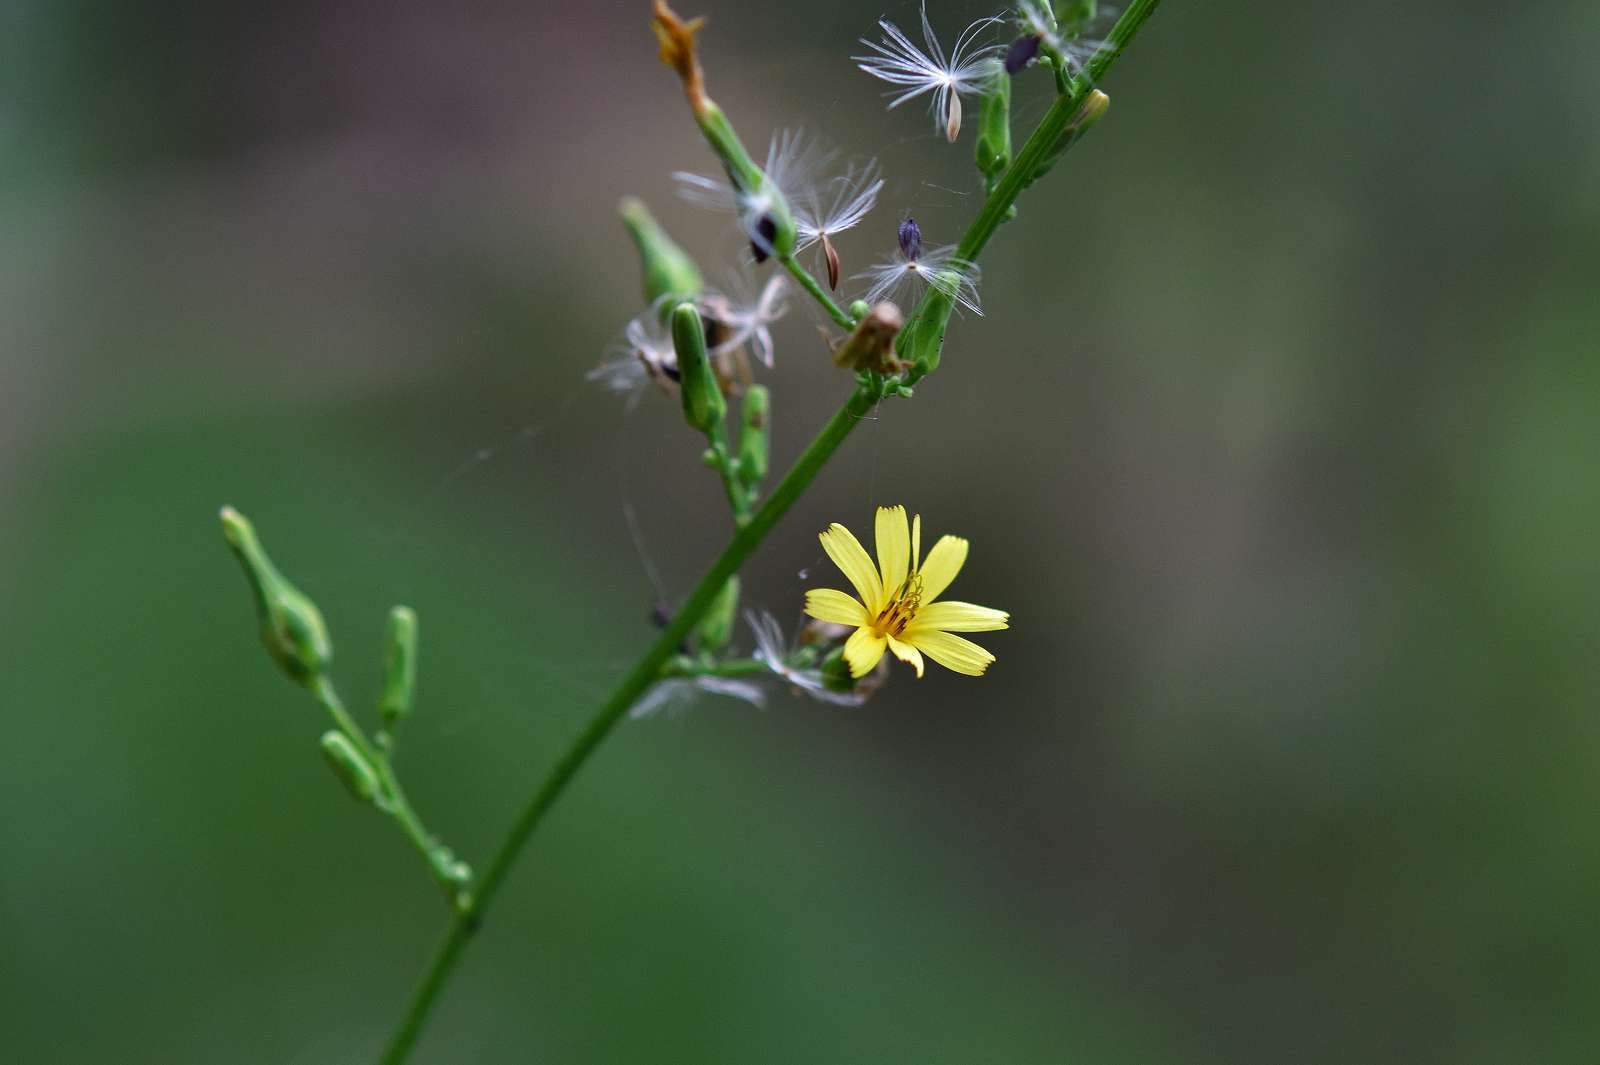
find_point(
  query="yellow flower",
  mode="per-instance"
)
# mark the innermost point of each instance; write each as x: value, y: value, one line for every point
x: 896, y: 610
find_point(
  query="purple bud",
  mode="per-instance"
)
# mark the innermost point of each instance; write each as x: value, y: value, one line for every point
x: 910, y: 239
x: 1021, y: 53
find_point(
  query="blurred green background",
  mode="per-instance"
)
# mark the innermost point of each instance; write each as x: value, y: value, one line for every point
x: 1279, y: 441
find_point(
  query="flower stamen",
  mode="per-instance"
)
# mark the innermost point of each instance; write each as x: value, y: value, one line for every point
x: 894, y: 618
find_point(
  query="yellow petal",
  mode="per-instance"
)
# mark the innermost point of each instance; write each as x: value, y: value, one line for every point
x: 906, y: 653
x: 916, y: 542
x: 828, y: 604
x: 894, y: 547
x: 951, y: 652
x: 848, y: 554
x: 954, y: 616
x: 942, y: 565
x: 863, y: 650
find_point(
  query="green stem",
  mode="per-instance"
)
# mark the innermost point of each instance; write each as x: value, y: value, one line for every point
x: 745, y: 540
x: 813, y: 286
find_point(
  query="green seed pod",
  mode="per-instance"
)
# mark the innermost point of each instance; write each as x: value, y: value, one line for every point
x: 755, y: 427
x: 668, y: 269
x: 350, y: 765
x: 1092, y: 110
x: 859, y: 309
x: 703, y: 404
x: 994, y: 131
x: 399, y: 665
x: 716, y: 629
x: 291, y: 625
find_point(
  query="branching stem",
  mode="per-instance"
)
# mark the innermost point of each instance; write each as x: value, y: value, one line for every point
x: 392, y: 798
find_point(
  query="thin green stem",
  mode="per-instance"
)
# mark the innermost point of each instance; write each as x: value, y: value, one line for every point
x: 818, y: 293
x: 394, y: 800
x: 745, y: 540
x: 740, y: 497
x: 730, y: 667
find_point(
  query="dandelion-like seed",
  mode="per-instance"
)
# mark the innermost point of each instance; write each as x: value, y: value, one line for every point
x: 899, y: 62
x: 644, y: 355
x: 821, y: 217
x: 916, y: 268
x: 897, y: 610
x: 747, y: 321
x: 1040, y: 33
x: 772, y: 651
x: 793, y: 161
x: 1022, y: 52
x: 678, y: 692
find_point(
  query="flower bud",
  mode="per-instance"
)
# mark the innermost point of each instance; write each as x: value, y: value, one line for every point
x: 994, y: 130
x: 668, y: 269
x: 754, y: 429
x: 399, y: 665
x: 1089, y: 112
x: 703, y: 405
x: 350, y: 765
x: 716, y: 628
x: 291, y: 625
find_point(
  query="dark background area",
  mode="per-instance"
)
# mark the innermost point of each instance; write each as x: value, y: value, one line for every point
x: 1278, y: 440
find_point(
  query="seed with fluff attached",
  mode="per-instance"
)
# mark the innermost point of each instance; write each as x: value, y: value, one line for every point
x: 911, y: 239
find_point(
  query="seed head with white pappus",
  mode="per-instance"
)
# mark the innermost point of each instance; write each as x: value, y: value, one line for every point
x: 1043, y: 32
x: 915, y: 268
x: 967, y: 71
x: 644, y: 355
x: 748, y: 320
x: 793, y: 163
x: 772, y: 651
x: 840, y: 205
